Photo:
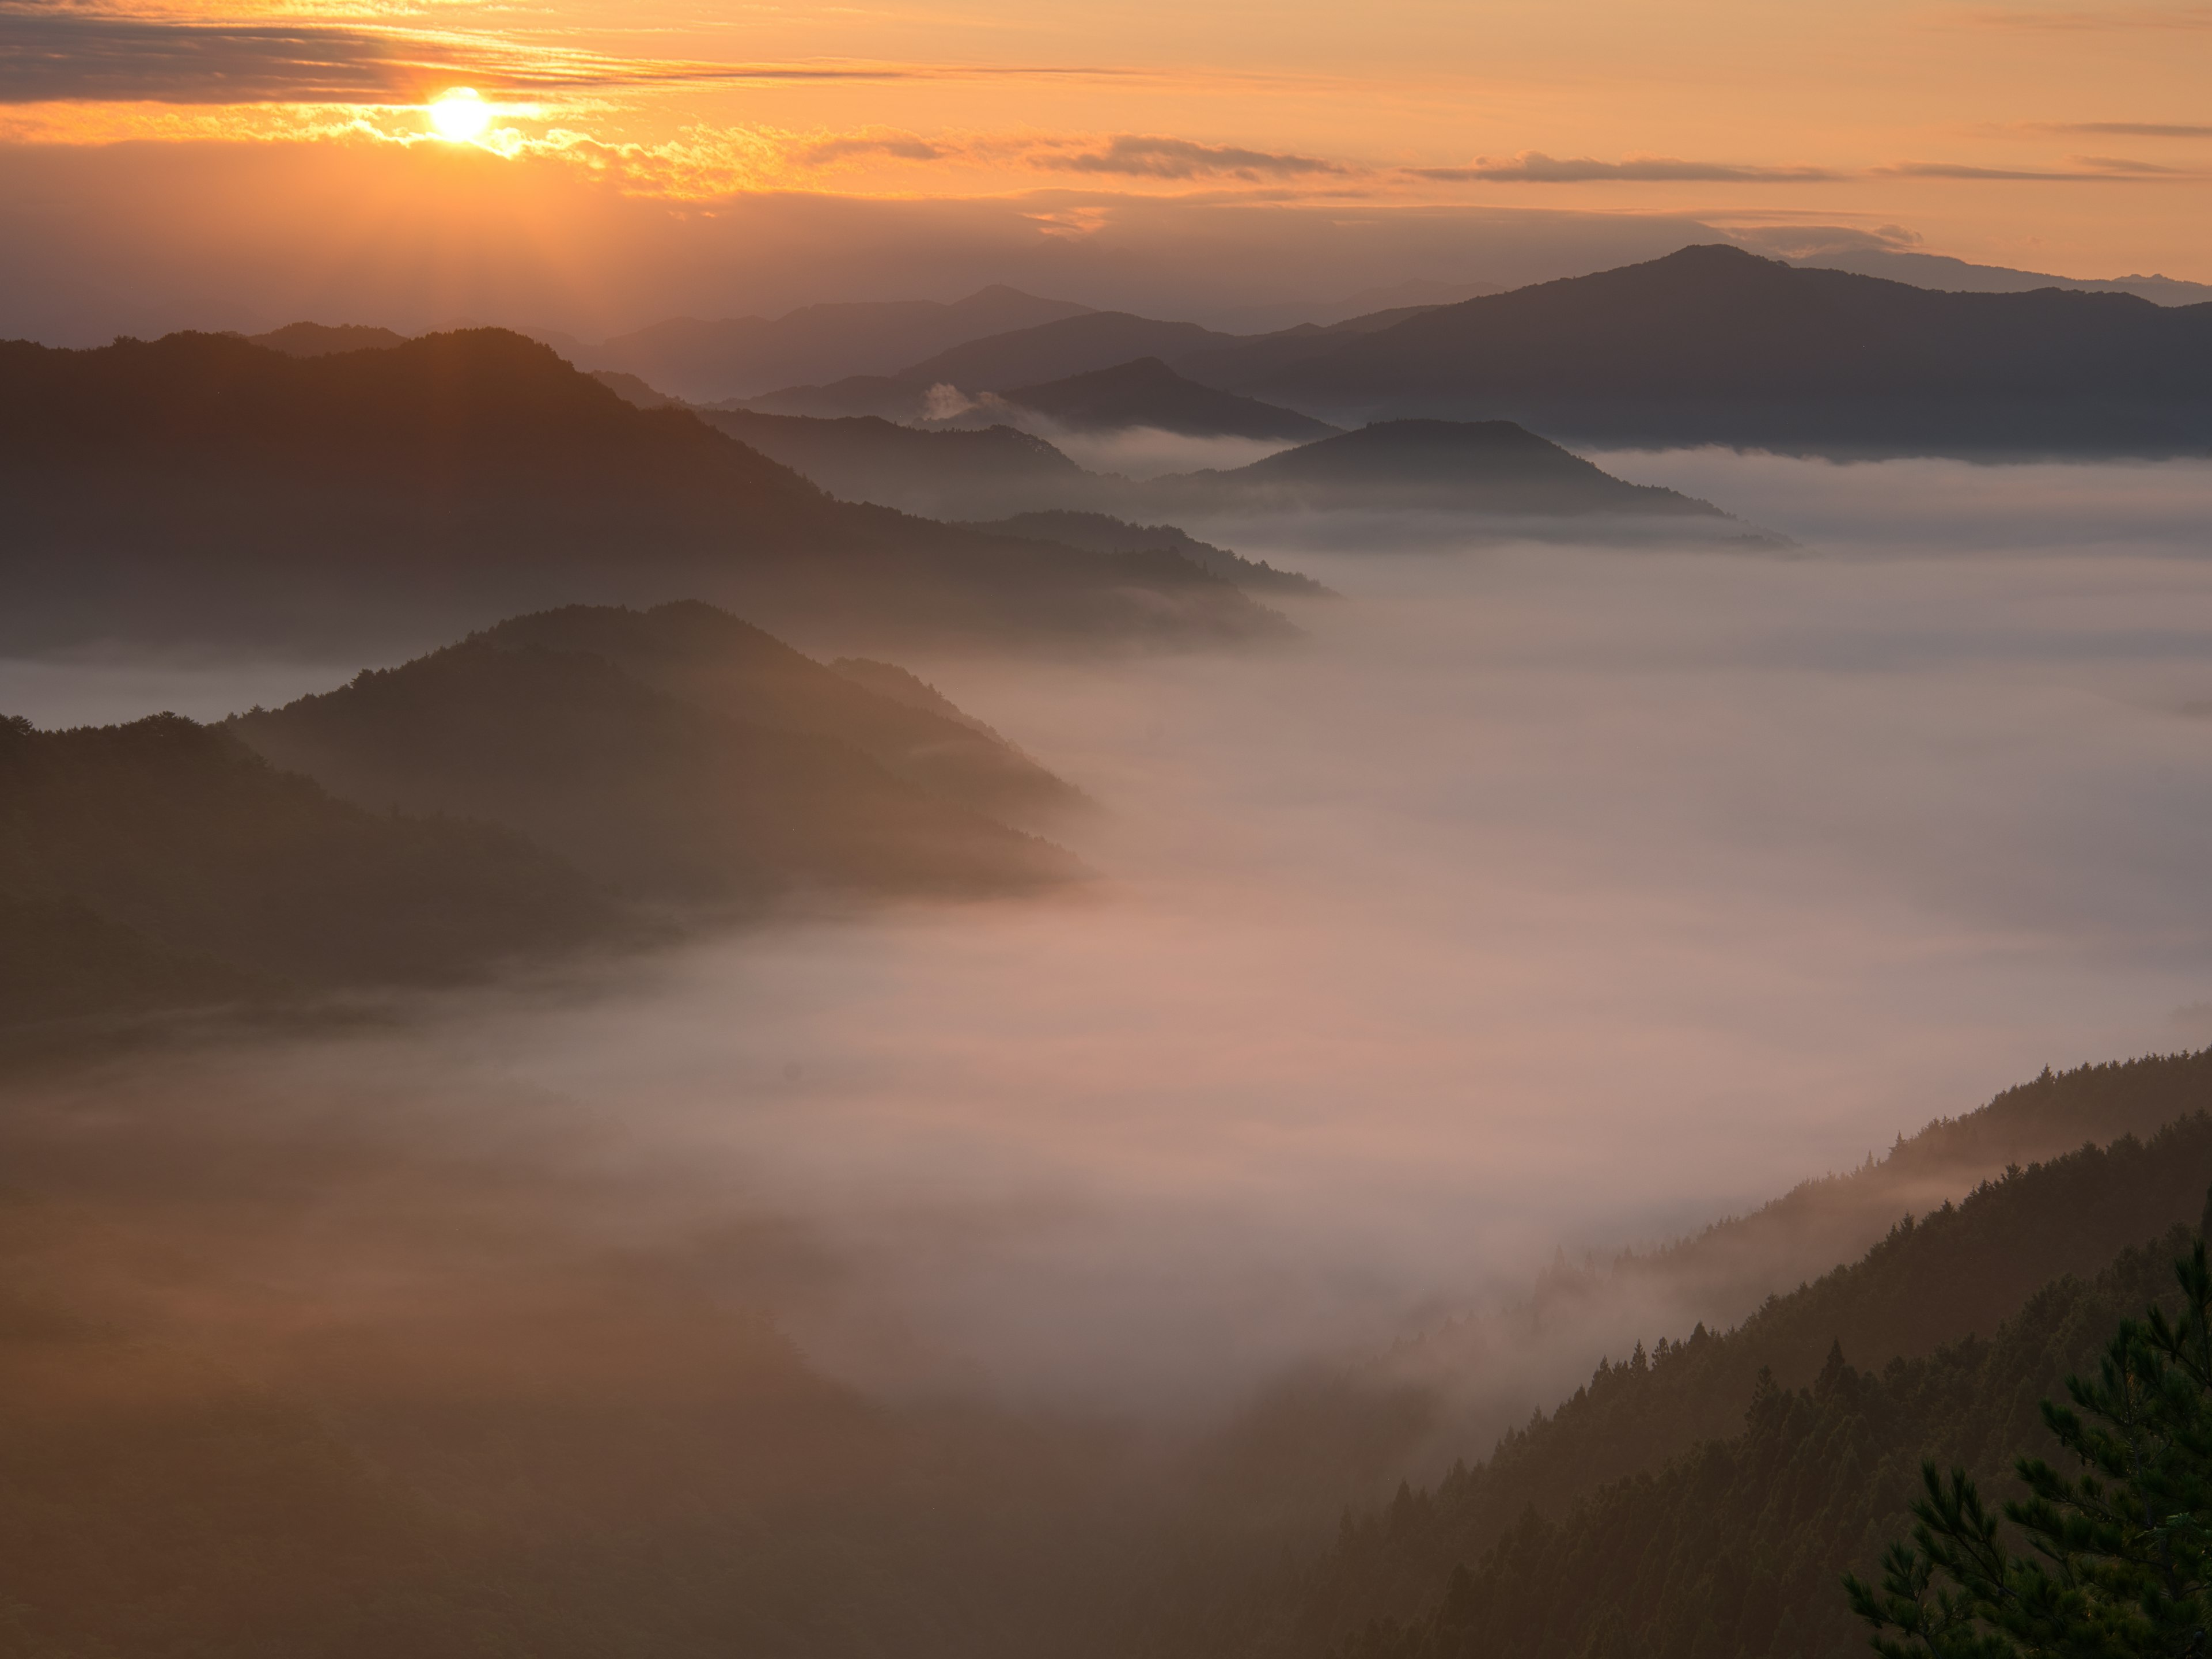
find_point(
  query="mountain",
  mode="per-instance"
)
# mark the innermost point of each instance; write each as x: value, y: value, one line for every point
x: 1050, y: 351
x: 656, y: 796
x: 952, y: 473
x: 1146, y: 392
x: 200, y: 486
x: 1717, y: 345
x: 743, y: 357
x: 1006, y: 482
x: 634, y: 392
x: 1102, y: 533
x: 712, y: 660
x: 1957, y: 277
x: 1399, y: 299
x: 322, y: 339
x: 1737, y: 1549
x: 164, y: 863
x: 1956, y: 1273
x: 1489, y: 466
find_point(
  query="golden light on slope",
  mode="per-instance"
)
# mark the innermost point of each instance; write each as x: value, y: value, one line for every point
x: 460, y: 115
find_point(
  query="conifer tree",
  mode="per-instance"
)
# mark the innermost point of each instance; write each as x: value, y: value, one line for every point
x: 2120, y: 1555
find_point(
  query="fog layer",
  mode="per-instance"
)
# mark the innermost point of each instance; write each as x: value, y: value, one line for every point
x: 1549, y: 896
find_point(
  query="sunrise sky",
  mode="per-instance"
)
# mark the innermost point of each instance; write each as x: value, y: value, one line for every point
x: 266, y: 156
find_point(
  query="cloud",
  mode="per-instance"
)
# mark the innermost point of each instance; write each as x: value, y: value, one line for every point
x: 1812, y: 241
x: 52, y: 55
x: 2086, y: 169
x: 1534, y: 167
x: 2115, y: 20
x: 1139, y: 157
x: 2126, y: 129
x: 903, y: 146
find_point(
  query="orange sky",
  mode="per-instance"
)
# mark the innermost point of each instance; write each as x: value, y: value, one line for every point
x: 2071, y: 138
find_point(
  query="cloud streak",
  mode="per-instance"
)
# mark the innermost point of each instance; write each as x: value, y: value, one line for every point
x: 1137, y: 156
x: 2086, y: 170
x: 2126, y: 129
x: 1533, y: 166
x: 50, y: 56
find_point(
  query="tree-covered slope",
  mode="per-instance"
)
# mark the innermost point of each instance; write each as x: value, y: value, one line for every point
x: 1954, y: 1273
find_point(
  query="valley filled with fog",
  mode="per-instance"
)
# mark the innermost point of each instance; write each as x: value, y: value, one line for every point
x: 1544, y: 896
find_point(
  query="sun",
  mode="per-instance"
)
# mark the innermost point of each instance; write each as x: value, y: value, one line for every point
x: 460, y: 115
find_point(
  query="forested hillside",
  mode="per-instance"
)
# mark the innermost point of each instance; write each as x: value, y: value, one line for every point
x: 1952, y: 1274
x: 1736, y: 1548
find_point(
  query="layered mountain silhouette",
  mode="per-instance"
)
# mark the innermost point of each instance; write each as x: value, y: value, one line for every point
x: 1103, y: 533
x: 166, y: 863
x: 743, y: 357
x: 952, y: 473
x: 1710, y: 344
x: 1146, y: 392
x: 1717, y: 345
x: 202, y: 485
x: 1008, y: 482
x: 656, y: 796
x: 1959, y: 276
x: 1487, y: 466
x: 1027, y: 356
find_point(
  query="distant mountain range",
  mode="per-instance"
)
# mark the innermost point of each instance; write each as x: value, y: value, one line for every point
x: 1146, y: 392
x: 1872, y: 351
x: 1717, y: 345
x: 201, y: 486
x: 1938, y: 271
x: 509, y: 797
x: 954, y: 472
x: 1030, y: 356
x: 1009, y: 477
x: 1486, y: 466
x: 741, y: 356
x: 1710, y: 344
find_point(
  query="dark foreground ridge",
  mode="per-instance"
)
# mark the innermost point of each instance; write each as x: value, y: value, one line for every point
x: 1606, y: 1516
x: 203, y: 486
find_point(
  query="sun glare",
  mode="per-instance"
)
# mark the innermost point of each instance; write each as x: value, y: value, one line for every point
x: 460, y: 115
